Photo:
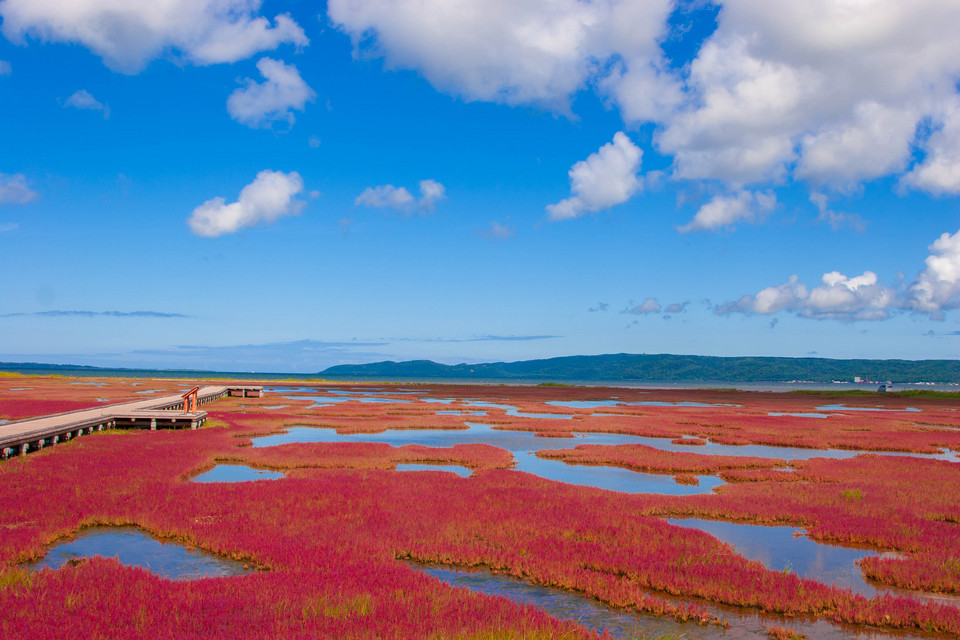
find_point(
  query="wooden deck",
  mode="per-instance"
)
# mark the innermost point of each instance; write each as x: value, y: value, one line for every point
x: 165, y: 412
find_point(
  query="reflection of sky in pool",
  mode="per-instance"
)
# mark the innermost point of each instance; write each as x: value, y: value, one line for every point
x: 777, y: 548
x: 522, y: 444
x: 513, y: 411
x: 236, y: 473
x: 461, y: 413
x: 843, y: 407
x: 455, y: 468
x: 745, y: 623
x: 133, y: 547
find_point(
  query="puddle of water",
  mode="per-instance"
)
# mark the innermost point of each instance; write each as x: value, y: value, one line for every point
x: 460, y: 413
x: 436, y: 400
x: 843, y: 407
x: 522, y: 444
x: 22, y: 389
x: 513, y: 411
x: 148, y: 391
x: 276, y: 406
x: 583, y: 404
x: 653, y: 403
x: 463, y: 472
x: 236, y: 473
x: 778, y: 549
x: 566, y: 605
x: 329, y: 401
x: 4, y: 421
x: 289, y: 390
x: 135, y: 548
x: 767, y: 451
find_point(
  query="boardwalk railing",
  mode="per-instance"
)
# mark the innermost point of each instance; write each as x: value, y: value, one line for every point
x: 20, y: 437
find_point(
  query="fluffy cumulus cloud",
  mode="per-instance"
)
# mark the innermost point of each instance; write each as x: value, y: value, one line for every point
x: 605, y: 179
x: 935, y: 290
x: 650, y: 305
x: 389, y: 196
x: 939, y: 173
x: 262, y: 104
x: 127, y: 34
x: 5, y: 68
x: 538, y: 51
x: 728, y: 210
x: 14, y: 189
x: 831, y: 92
x: 937, y: 287
x: 838, y: 297
x: 83, y: 99
x: 270, y: 196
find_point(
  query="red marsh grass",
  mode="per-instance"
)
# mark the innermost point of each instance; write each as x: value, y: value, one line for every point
x: 333, y: 539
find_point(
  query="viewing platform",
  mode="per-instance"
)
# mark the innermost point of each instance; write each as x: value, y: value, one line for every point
x: 20, y: 437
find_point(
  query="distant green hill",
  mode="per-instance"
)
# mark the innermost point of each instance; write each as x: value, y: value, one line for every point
x: 625, y: 366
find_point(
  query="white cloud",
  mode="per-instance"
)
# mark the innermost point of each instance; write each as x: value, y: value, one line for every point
x: 650, y: 305
x: 831, y: 92
x: 270, y: 196
x: 537, y: 51
x: 14, y: 189
x: 259, y: 105
x: 128, y: 34
x: 605, y: 179
x: 385, y: 195
x: 937, y: 287
x: 8, y: 226
x: 389, y: 196
x: 727, y: 210
x: 431, y: 192
x: 939, y: 173
x: 838, y: 298
x: 82, y: 99
x: 835, y: 89
x: 5, y: 68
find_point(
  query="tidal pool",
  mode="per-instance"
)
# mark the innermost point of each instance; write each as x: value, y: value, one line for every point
x: 460, y: 413
x: 566, y: 605
x: 136, y: 548
x: 236, y: 473
x: 779, y: 549
x: 843, y: 407
x: 463, y: 472
x: 514, y: 411
x: 523, y: 445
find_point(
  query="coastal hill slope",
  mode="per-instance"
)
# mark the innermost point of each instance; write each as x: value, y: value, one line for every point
x: 665, y: 367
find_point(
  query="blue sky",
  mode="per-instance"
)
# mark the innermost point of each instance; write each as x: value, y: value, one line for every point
x: 286, y: 185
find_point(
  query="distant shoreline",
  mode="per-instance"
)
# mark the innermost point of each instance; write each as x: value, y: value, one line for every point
x: 287, y: 379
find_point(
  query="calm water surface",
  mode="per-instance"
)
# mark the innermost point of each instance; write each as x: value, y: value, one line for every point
x: 779, y: 549
x: 457, y: 469
x: 135, y: 548
x: 523, y: 445
x: 566, y: 605
x: 236, y: 473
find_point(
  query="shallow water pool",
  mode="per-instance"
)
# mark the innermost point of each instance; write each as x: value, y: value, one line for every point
x: 136, y: 548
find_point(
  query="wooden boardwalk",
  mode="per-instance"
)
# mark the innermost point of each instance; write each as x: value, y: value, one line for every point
x: 165, y: 412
